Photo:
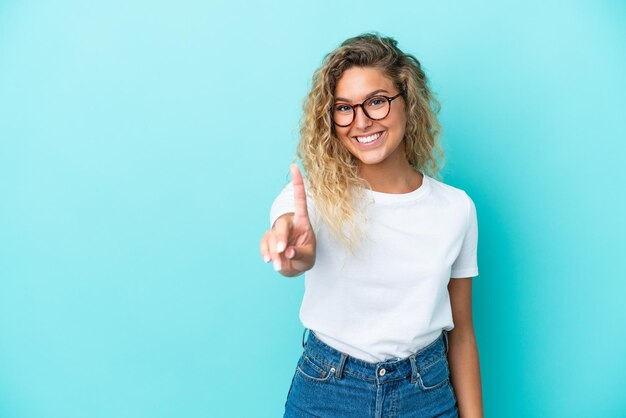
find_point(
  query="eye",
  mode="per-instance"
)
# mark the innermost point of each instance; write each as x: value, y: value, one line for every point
x: 376, y: 101
x: 342, y: 108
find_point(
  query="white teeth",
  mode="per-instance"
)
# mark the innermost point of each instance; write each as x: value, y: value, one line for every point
x: 366, y: 139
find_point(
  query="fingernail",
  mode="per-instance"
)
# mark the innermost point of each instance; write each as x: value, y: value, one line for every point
x: 277, y: 265
x: 280, y: 247
x: 290, y: 253
x: 267, y: 258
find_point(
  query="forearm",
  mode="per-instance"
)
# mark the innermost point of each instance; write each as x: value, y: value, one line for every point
x: 465, y: 374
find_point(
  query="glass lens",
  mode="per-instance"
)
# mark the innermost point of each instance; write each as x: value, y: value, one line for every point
x: 377, y: 107
x: 342, y: 114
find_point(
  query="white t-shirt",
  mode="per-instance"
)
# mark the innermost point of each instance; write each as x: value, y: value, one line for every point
x: 391, y: 298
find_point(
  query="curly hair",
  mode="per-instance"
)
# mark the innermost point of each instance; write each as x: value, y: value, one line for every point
x: 331, y: 170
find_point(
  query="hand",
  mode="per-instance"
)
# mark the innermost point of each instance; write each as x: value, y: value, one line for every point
x: 290, y: 244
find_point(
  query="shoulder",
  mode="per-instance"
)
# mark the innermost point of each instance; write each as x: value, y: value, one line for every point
x: 449, y: 193
x: 286, y: 198
x: 454, y: 201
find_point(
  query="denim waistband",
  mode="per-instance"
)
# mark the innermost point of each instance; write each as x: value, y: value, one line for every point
x: 382, y: 371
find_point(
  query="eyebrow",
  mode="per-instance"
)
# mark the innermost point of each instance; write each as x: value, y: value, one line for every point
x: 366, y: 97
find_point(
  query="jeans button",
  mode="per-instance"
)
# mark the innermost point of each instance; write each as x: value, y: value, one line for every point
x: 382, y: 372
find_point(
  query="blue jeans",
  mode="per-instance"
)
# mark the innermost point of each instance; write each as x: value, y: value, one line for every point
x: 329, y: 383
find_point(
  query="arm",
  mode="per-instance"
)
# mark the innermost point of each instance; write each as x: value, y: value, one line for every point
x: 463, y: 351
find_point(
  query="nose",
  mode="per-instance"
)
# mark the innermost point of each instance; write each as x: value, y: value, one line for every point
x: 361, y: 120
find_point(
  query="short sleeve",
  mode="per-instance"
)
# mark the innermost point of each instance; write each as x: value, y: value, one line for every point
x: 284, y: 203
x: 466, y: 264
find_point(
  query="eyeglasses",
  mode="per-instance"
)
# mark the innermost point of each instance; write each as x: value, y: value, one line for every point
x: 375, y: 108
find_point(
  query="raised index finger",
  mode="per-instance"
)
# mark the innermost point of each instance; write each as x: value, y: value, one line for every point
x: 299, y: 194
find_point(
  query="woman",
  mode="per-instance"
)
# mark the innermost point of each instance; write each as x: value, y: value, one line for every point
x: 389, y: 251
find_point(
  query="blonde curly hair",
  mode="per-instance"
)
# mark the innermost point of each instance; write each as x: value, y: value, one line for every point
x: 331, y: 170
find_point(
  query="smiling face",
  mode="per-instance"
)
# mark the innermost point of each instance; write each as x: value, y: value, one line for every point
x: 372, y: 142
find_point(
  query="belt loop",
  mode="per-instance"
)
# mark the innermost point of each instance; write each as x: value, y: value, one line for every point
x: 413, y: 368
x: 342, y: 363
x: 303, y: 343
x: 445, y: 340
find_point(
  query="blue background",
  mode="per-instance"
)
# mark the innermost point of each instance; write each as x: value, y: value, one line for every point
x: 142, y: 144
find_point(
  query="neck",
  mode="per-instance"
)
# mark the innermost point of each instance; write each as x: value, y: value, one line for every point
x: 394, y: 177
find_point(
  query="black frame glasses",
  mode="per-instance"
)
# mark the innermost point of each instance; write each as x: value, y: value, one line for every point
x: 353, y: 107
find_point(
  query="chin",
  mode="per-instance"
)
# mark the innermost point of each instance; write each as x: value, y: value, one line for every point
x: 369, y: 160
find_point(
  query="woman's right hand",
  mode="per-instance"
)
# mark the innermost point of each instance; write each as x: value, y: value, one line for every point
x: 290, y: 244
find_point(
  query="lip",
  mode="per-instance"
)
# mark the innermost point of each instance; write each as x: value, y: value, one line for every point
x: 373, y: 143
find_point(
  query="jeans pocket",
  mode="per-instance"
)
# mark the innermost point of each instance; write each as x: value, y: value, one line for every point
x: 434, y: 376
x: 452, y: 392
x: 314, y: 370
